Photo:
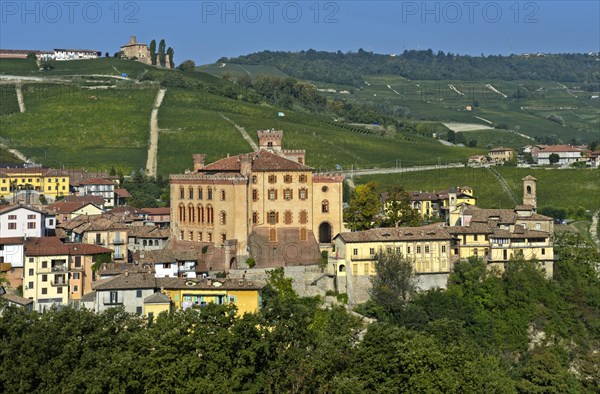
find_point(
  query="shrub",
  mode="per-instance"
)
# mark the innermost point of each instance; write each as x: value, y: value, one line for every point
x: 251, y: 262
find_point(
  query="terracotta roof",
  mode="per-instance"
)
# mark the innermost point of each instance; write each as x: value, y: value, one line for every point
x: 157, y: 211
x: 436, y: 231
x: 261, y: 161
x: 70, y: 207
x: 561, y: 148
x: 104, y: 222
x: 524, y: 207
x: 122, y: 193
x: 208, y: 283
x: 113, y: 269
x: 89, y: 297
x: 499, y: 216
x: 127, y: 281
x: 12, y: 207
x: 529, y: 178
x: 88, y: 198
x: 33, y: 170
x: 52, y: 246
x: 15, y: 299
x: 501, y: 149
x: 475, y: 228
x: 148, y: 232
x: 96, y: 181
x: 157, y: 298
x: 519, y: 232
x: 12, y: 240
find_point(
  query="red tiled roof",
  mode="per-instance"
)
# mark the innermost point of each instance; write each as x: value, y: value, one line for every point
x: 52, y: 246
x: 122, y: 193
x: 12, y: 240
x: 67, y: 207
x: 88, y: 198
x: 262, y: 161
x: 501, y: 149
x: 96, y: 181
x: 157, y: 211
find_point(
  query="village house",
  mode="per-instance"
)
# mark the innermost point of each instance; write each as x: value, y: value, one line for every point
x: 56, y: 273
x: 269, y: 203
x: 567, y: 154
x: 136, y: 51
x: 65, y: 211
x: 160, y: 217
x: 47, y: 181
x: 501, y: 155
x: 75, y: 54
x: 146, y: 238
x: 99, y: 187
x: 478, y: 159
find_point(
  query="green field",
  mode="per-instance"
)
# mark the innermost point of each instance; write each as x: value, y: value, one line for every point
x: 497, y: 137
x: 8, y: 158
x: 8, y: 100
x: 557, y: 188
x: 238, y: 70
x: 64, y: 125
x: 18, y: 66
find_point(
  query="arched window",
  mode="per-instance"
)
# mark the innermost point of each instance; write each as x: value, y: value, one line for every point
x: 223, y: 237
x: 288, y: 194
x: 272, y: 194
x: 287, y: 178
x: 191, y: 214
x: 272, y: 178
x: 145, y: 243
x: 254, y: 194
x: 209, y: 237
x: 273, y: 217
x: 223, y: 195
x: 287, y: 217
x: 223, y: 217
x: 191, y: 193
x: 303, y: 193
x: 199, y: 236
x: 210, y: 191
x: 303, y: 217
x: 255, y: 217
x: 254, y: 179
x: 325, y: 206
x: 210, y: 215
x: 200, y: 213
x: 528, y: 189
x: 200, y: 193
x: 181, y: 213
x: 181, y: 193
x: 191, y: 235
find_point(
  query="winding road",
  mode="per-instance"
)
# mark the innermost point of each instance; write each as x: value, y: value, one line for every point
x: 151, y: 163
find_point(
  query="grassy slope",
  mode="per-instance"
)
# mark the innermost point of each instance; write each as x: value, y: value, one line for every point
x: 556, y: 188
x: 18, y: 66
x: 237, y: 70
x: 8, y: 100
x: 8, y: 158
x: 63, y: 126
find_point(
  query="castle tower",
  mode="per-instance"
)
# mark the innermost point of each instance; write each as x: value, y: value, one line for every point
x: 530, y: 191
x: 270, y: 140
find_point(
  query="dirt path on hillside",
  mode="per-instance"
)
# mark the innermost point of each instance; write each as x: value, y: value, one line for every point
x: 503, y: 184
x: 243, y: 132
x: 20, y: 97
x: 151, y: 163
x: 15, y: 152
x: 594, y: 227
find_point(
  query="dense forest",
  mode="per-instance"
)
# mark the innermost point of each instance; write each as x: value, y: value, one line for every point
x: 515, y: 332
x: 348, y: 68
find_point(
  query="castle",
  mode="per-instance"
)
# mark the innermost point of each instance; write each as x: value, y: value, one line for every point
x: 268, y: 205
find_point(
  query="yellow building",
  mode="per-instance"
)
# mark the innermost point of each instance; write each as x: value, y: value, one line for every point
x: 187, y: 293
x: 156, y: 304
x: 50, y: 182
x: 500, y: 155
x: 273, y: 205
x: 57, y: 273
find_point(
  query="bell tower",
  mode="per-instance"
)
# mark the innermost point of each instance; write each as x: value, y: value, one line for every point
x: 530, y: 191
x: 270, y: 140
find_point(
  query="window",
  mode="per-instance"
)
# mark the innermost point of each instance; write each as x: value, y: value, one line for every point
x: 199, y: 193
x: 44, y: 278
x: 12, y: 226
x: 388, y: 249
x: 272, y: 194
x: 371, y: 250
x: 77, y: 262
x: 199, y: 236
x: 272, y: 235
x: 254, y: 195
x: 223, y: 195
x: 75, y: 275
x: 181, y: 193
x: 287, y: 178
x: 418, y: 249
x: 181, y: 235
x: 210, y: 193
x: 426, y: 248
x: 302, y: 178
x: 51, y: 222
x: 223, y: 217
x: 209, y: 237
x: 355, y: 252
x: 191, y: 193
x: 31, y: 225
x: 272, y: 178
x: 232, y: 298
x: 138, y: 293
x: 254, y: 179
x: 505, y: 254
x: 302, y: 193
x: 59, y: 290
x: 30, y: 271
x: 44, y: 290
x: 543, y: 251
x: 475, y: 252
x: 44, y: 264
x: 114, y: 297
x: 12, y: 217
x: 538, y: 226
x: 255, y: 217
x: 325, y: 206
x: 303, y: 234
x: 31, y: 217
x: 287, y: 194
x: 191, y: 235
x: 223, y: 237
x: 30, y: 285
x: 324, y: 189
x: 443, y: 248
x: 273, y: 217
x: 287, y: 217
x: 75, y: 289
x: 475, y: 238
x: 303, y: 217
x: 138, y: 310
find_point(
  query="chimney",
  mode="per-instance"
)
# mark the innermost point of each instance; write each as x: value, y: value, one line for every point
x: 131, y: 40
x: 198, y: 161
x: 246, y: 164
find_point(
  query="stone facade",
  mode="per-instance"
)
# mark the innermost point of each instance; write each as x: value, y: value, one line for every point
x: 139, y: 51
x: 261, y: 199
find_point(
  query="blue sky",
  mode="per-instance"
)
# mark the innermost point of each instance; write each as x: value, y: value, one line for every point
x: 204, y: 31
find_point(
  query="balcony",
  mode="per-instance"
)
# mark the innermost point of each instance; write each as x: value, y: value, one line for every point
x: 99, y: 242
x: 118, y: 242
x: 59, y: 268
x: 59, y: 282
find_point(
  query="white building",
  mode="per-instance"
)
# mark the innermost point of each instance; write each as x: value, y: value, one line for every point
x: 75, y: 54
x: 21, y: 221
x: 567, y: 154
x: 99, y: 187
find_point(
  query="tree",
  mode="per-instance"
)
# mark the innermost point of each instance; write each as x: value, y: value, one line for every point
x: 32, y: 56
x: 162, y: 58
x: 394, y: 282
x: 398, y: 210
x: 153, y: 52
x: 107, y: 54
x: 47, y: 65
x: 451, y: 136
x: 171, y: 54
x: 188, y: 65
x: 364, y: 207
x: 554, y: 158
